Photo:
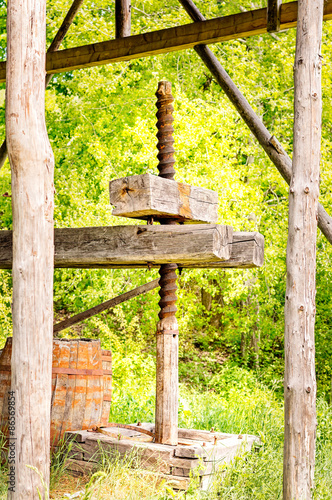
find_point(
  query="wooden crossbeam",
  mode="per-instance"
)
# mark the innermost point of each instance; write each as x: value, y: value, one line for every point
x: 146, y: 246
x: 171, y: 39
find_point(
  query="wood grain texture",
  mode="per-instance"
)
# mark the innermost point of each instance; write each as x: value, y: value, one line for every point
x: 273, y: 15
x: 170, y: 39
x: 269, y: 143
x: 141, y: 196
x: 77, y: 399
x: 106, y: 357
x: 103, y: 247
x: 300, y: 309
x: 32, y: 166
x: 122, y: 18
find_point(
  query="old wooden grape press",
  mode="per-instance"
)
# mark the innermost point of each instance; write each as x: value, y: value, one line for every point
x: 187, y: 236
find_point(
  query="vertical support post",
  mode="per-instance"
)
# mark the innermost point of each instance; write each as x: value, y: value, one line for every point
x: 122, y: 18
x: 273, y: 15
x: 166, y: 424
x: 32, y: 167
x: 300, y: 379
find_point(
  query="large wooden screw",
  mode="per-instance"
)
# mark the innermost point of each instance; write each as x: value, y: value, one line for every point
x: 167, y: 329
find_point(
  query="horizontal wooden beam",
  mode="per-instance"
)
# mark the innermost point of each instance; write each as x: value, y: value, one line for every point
x: 193, y: 246
x: 147, y: 195
x: 168, y: 40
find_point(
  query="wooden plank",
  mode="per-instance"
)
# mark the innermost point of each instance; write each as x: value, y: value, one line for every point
x: 142, y: 196
x: 102, y: 247
x: 273, y: 15
x: 123, y: 447
x: 32, y: 167
x: 168, y: 40
x: 122, y: 18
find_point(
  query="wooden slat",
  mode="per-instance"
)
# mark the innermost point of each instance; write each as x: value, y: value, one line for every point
x: 169, y: 40
x: 84, y: 248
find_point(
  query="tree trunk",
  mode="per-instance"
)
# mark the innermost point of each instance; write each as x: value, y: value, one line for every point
x: 32, y: 166
x: 300, y: 380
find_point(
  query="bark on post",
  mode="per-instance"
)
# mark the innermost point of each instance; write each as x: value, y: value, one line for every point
x: 32, y: 166
x: 300, y: 381
x: 122, y: 18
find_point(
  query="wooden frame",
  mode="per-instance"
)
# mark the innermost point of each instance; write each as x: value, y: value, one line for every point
x: 169, y: 40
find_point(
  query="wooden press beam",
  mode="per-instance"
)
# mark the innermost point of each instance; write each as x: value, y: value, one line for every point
x: 138, y: 246
x: 122, y: 18
x: 273, y: 15
x: 168, y: 40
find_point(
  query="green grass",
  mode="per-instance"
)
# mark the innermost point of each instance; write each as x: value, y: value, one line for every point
x: 234, y: 403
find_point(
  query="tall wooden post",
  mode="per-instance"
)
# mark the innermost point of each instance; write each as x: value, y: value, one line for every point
x: 300, y: 380
x: 166, y: 428
x: 32, y: 166
x: 122, y: 18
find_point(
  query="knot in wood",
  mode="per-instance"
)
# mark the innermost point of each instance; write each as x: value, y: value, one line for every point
x: 165, y: 130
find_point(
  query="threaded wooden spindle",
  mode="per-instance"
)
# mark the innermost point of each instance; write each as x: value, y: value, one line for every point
x: 166, y: 429
x: 165, y: 130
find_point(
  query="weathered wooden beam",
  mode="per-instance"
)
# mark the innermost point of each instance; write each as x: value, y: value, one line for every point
x: 105, y: 306
x: 142, y: 196
x: 130, y: 247
x: 122, y: 18
x: 58, y: 39
x: 269, y: 143
x: 273, y: 15
x: 170, y: 39
x: 32, y: 167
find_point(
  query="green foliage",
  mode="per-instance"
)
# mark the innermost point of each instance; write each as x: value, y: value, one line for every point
x: 101, y: 124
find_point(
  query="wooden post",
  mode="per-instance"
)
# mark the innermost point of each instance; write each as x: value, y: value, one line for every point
x: 122, y: 18
x: 32, y: 166
x: 273, y: 15
x: 58, y: 39
x: 269, y: 143
x: 166, y: 428
x: 300, y: 380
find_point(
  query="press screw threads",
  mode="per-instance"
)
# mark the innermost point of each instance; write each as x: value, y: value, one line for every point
x: 165, y: 130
